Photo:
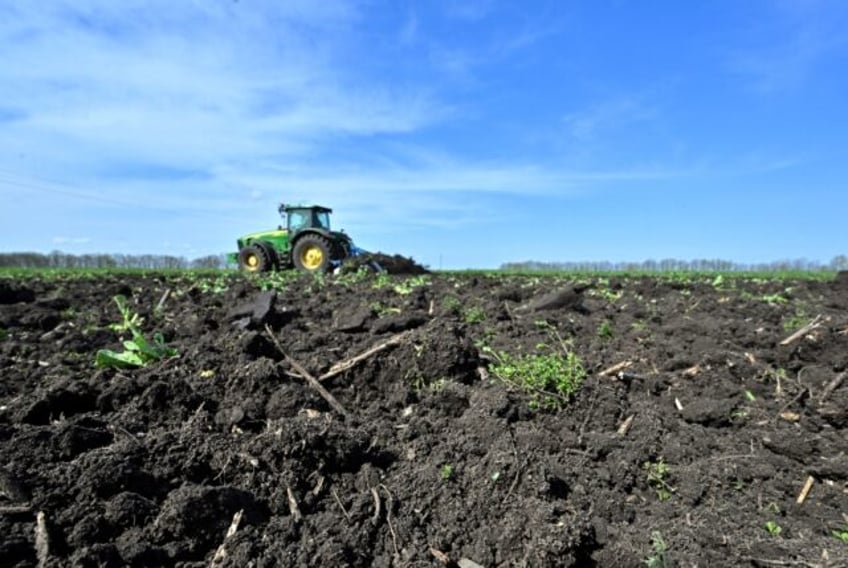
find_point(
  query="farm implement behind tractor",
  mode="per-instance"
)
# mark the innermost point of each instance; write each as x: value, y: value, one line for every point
x: 306, y: 243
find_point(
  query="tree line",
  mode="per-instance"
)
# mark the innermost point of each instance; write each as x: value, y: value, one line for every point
x: 57, y: 259
x: 839, y: 262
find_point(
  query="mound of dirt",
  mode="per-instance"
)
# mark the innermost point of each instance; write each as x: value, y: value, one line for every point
x: 393, y: 264
x: 339, y: 423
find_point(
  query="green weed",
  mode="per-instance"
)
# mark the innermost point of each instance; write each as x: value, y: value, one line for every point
x: 217, y: 285
x: 382, y: 280
x: 138, y: 351
x: 4, y: 334
x: 407, y: 286
x: 773, y: 528
x: 278, y: 280
x: 452, y: 305
x: 549, y: 378
x: 446, y: 472
x: 605, y: 330
x: 657, y: 473
x: 658, y: 559
x: 796, y: 321
x: 842, y: 534
x: 773, y: 299
x: 474, y: 314
x: 382, y: 309
x: 129, y: 320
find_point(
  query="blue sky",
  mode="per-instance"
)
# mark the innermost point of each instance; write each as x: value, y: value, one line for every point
x: 461, y: 133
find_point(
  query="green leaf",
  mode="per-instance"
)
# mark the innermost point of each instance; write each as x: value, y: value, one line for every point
x: 107, y: 358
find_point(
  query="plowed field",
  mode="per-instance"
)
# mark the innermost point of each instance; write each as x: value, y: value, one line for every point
x: 361, y: 421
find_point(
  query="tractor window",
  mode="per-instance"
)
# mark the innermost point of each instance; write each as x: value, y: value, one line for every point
x: 322, y: 220
x: 297, y: 220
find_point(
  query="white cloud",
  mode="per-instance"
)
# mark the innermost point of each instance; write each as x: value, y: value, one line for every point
x: 71, y: 240
x: 194, y: 84
x: 782, y: 51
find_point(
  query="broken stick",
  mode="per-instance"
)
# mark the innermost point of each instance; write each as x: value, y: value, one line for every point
x: 816, y: 322
x: 805, y: 490
x: 615, y: 368
x: 832, y: 386
x: 307, y: 376
x: 293, y: 506
x: 42, y: 540
x: 343, y: 366
x: 221, y: 553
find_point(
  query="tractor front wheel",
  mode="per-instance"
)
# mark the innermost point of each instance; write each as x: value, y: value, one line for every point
x: 312, y: 253
x: 255, y: 258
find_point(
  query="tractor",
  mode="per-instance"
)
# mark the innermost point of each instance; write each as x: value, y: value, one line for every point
x: 305, y: 242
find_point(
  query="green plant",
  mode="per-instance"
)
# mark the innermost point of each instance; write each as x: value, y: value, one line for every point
x: 773, y: 528
x: 452, y: 305
x: 406, y: 287
x: 353, y: 277
x: 549, y: 378
x: 658, y: 559
x: 4, y: 334
x: 446, y: 472
x: 69, y: 313
x: 129, y: 320
x: 278, y: 281
x: 138, y: 351
x: 842, y: 534
x: 319, y: 280
x: 605, y: 330
x: 382, y: 280
x: 474, y: 314
x: 610, y: 296
x: 657, y: 473
x: 773, y: 299
x: 382, y: 309
x: 796, y: 321
x: 217, y: 285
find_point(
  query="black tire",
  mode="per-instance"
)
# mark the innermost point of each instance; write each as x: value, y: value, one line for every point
x: 255, y: 258
x: 311, y: 253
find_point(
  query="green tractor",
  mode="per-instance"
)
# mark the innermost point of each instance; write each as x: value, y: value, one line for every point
x: 305, y: 242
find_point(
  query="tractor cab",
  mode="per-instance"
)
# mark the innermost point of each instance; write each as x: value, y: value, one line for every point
x: 300, y: 217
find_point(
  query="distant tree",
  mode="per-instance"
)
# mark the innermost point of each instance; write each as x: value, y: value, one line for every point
x: 839, y: 262
x: 209, y: 262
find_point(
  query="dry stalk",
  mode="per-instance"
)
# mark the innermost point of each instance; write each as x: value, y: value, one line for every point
x: 615, y: 368
x: 42, y: 540
x: 805, y: 490
x: 389, y: 518
x: 294, y: 508
x: 307, y: 376
x: 339, y: 503
x: 376, y: 518
x: 832, y: 386
x: 221, y: 553
x: 816, y: 322
x: 343, y: 366
x: 625, y: 426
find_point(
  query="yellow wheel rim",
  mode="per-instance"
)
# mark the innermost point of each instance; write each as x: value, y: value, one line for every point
x: 312, y: 257
x: 251, y: 262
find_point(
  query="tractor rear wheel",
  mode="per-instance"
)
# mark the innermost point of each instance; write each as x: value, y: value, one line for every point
x: 255, y: 258
x: 312, y: 253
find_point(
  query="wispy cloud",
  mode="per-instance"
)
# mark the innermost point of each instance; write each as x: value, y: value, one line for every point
x: 64, y: 241
x: 100, y: 83
x: 809, y: 31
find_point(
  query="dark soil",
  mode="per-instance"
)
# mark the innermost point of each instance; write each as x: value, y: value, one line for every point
x: 426, y: 459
